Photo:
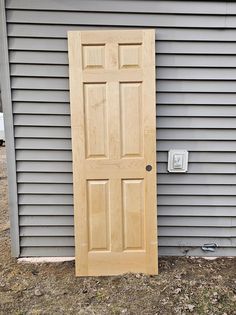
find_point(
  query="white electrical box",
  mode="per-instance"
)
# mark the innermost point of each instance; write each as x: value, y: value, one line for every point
x: 177, y: 161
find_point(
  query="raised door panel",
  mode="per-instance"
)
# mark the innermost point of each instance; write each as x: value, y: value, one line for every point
x: 95, y: 113
x: 133, y: 213
x: 98, y: 214
x: 131, y: 119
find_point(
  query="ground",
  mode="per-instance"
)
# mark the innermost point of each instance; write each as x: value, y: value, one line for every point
x: 183, y: 286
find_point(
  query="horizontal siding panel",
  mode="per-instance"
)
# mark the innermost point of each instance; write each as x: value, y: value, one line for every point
x: 46, y: 231
x: 119, y: 19
x: 196, y: 122
x: 45, y: 199
x: 162, y: 122
x: 162, y: 110
x: 193, y: 134
x: 30, y: 57
x: 196, y: 98
x: 162, y: 190
x: 45, y: 210
x: 65, y: 144
x: 220, y: 146
x: 197, y: 200
x: 40, y: 96
x: 43, y: 155
x: 178, y: 73
x: 44, y: 177
x: 37, y: 241
x: 196, y: 110
x: 197, y: 221
x: 42, y: 132
x: 52, y: 144
x: 187, y: 7
x: 204, y: 168
x: 41, y: 44
x: 58, y: 155
x: 41, y: 108
x: 171, y: 34
x: 198, y: 231
x: 196, y: 211
x: 182, y: 47
x: 64, y: 167
x: 162, y: 60
x: 201, y: 179
x: 163, y: 251
x: 203, y: 157
x: 43, y: 166
x: 35, y: 199
x: 40, y: 83
x: 195, y: 86
x: 162, y: 47
x: 45, y: 188
x: 47, y: 251
x: 166, y: 211
x: 29, y: 70
x: 193, y: 241
x: 165, y: 178
x: 62, y: 84
x: 179, y: 189
x: 190, y: 211
x: 186, y: 60
x: 46, y: 220
x: 62, y: 71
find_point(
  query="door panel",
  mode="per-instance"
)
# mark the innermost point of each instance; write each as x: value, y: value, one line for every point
x: 133, y: 210
x: 95, y: 111
x: 112, y: 93
x: 98, y: 214
x: 131, y: 119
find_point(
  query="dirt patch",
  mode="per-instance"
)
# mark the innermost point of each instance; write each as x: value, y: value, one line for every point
x: 184, y: 285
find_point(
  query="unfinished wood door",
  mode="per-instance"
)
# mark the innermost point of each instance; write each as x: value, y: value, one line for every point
x: 112, y: 94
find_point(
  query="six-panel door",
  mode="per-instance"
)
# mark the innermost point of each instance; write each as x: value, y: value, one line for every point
x: 112, y: 92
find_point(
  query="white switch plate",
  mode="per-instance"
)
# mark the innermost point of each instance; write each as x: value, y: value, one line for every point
x: 177, y: 161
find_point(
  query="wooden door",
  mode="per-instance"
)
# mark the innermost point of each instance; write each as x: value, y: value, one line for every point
x: 112, y: 94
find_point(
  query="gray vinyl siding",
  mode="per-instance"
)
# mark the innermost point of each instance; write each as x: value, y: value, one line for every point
x: 196, y: 111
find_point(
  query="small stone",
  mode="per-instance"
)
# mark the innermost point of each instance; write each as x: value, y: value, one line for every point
x: 124, y: 310
x: 234, y: 298
x: 190, y: 307
x: 37, y: 292
x: 177, y: 291
x: 34, y: 272
x: 138, y: 275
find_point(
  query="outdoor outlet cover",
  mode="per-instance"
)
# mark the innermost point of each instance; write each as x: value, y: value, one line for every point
x: 177, y: 161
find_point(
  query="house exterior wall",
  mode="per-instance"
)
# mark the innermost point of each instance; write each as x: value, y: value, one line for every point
x: 196, y: 110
